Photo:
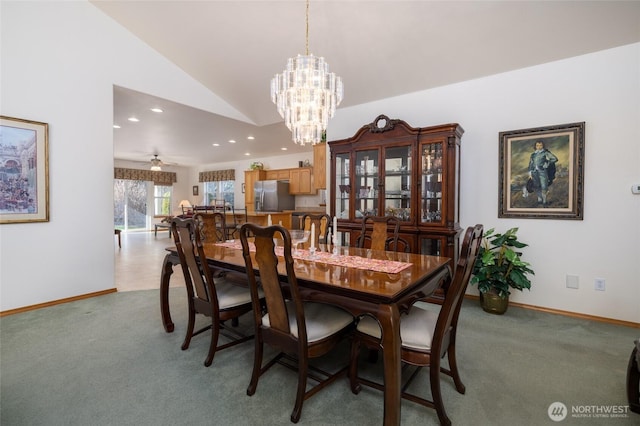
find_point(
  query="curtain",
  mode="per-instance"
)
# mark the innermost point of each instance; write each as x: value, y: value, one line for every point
x: 217, y: 175
x: 158, y: 178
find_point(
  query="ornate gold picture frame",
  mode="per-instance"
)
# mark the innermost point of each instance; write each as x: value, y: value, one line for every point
x: 542, y: 172
x: 24, y: 171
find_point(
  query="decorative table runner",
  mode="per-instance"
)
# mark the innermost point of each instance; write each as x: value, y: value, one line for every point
x: 378, y: 265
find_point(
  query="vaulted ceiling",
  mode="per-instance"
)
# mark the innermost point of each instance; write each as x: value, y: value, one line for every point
x: 380, y: 49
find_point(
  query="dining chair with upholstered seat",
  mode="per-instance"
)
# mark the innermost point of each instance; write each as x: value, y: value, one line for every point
x: 375, y: 234
x: 218, y: 299
x: 298, y: 330
x: 426, y: 335
x: 322, y: 222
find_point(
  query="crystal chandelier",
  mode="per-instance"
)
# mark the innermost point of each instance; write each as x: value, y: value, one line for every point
x: 306, y: 95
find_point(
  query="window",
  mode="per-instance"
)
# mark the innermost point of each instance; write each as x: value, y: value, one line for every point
x: 219, y: 190
x: 162, y: 200
x: 130, y: 204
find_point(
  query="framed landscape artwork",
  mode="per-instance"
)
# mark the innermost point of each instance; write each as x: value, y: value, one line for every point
x: 24, y: 171
x: 542, y: 172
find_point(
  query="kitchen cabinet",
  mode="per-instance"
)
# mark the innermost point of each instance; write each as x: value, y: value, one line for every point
x: 320, y: 166
x: 300, y: 181
x: 277, y: 174
x: 389, y: 168
x: 250, y: 177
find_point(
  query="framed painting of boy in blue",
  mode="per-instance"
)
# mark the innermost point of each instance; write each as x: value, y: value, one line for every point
x: 542, y: 172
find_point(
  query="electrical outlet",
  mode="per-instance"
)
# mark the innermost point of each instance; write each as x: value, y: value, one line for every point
x: 599, y: 284
x: 635, y: 188
x: 572, y: 281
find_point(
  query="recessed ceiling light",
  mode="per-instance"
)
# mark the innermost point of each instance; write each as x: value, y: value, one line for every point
x: 216, y: 144
x: 250, y: 138
x: 247, y: 153
x: 156, y: 109
x: 135, y: 120
x: 232, y: 141
x: 115, y: 126
x: 283, y: 148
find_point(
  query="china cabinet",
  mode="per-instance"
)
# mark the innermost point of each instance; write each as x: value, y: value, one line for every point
x: 389, y: 168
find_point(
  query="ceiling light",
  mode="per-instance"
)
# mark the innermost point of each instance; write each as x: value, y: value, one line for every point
x: 135, y: 120
x: 155, y: 164
x: 232, y: 141
x: 115, y: 126
x: 283, y: 149
x: 251, y: 138
x: 156, y: 110
x: 306, y: 95
x: 247, y: 153
x: 216, y: 144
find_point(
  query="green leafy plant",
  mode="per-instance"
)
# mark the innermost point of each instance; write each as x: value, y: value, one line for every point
x: 256, y: 165
x: 499, y: 266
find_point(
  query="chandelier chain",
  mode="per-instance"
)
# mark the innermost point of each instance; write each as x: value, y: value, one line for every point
x: 307, y: 34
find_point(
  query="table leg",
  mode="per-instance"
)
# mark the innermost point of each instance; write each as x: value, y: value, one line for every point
x: 389, y: 318
x: 155, y: 232
x: 165, y: 277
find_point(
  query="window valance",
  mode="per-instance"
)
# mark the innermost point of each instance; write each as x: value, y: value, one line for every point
x: 158, y: 178
x: 217, y: 175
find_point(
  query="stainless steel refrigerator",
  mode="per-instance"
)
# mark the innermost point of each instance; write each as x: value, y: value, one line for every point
x: 273, y: 196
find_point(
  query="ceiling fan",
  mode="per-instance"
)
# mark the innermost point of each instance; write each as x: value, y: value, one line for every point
x: 156, y: 163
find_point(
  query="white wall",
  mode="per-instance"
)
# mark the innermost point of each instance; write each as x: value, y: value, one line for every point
x: 61, y: 71
x: 59, y: 62
x: 602, y: 89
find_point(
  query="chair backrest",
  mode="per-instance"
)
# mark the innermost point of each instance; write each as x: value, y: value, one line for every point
x: 198, y: 275
x: 322, y: 222
x: 379, y: 235
x: 274, y: 293
x: 211, y: 226
x: 448, y: 317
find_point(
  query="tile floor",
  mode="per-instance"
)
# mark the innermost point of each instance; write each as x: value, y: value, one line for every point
x: 138, y: 263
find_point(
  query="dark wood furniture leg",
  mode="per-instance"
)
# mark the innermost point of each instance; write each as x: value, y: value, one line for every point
x: 165, y: 277
x: 389, y: 318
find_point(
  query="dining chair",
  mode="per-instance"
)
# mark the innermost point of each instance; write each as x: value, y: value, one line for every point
x: 298, y: 330
x: 211, y: 226
x: 322, y: 222
x: 374, y: 234
x: 426, y: 335
x: 230, y: 225
x: 217, y: 299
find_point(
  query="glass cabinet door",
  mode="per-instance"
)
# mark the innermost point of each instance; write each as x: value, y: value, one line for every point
x: 343, y: 185
x: 397, y: 182
x: 366, y: 183
x: 431, y: 179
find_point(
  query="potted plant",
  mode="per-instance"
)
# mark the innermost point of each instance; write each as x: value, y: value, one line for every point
x: 256, y: 165
x: 499, y: 268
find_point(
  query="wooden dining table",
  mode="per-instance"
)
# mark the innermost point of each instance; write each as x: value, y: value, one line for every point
x: 361, y: 291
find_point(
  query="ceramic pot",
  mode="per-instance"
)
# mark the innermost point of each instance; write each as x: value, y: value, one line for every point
x: 493, y: 303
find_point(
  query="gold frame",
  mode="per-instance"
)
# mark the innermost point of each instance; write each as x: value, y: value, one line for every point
x: 565, y: 194
x: 36, y: 172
